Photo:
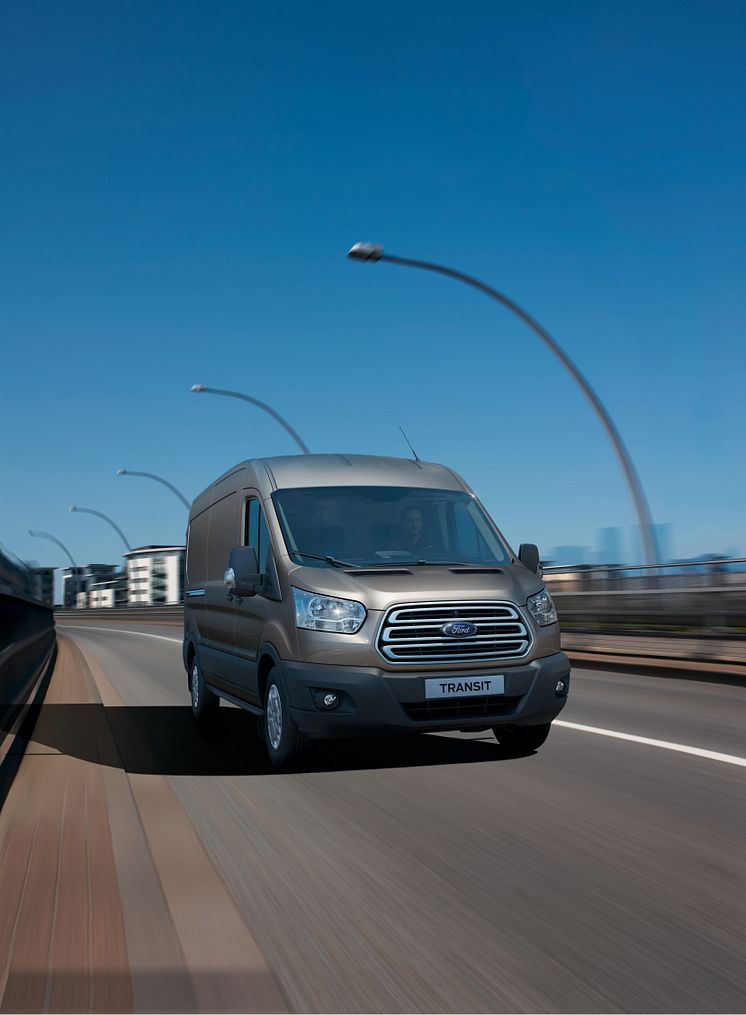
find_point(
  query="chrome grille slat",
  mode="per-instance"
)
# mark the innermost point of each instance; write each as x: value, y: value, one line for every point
x: 503, y: 612
x: 408, y: 632
x: 483, y: 621
x: 398, y: 637
x: 437, y: 652
x: 417, y: 655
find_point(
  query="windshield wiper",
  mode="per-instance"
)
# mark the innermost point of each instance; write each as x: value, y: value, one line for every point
x: 329, y: 560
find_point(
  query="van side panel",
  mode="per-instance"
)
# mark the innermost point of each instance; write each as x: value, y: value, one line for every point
x: 196, y: 556
x: 218, y: 628
x: 195, y: 576
x: 223, y: 536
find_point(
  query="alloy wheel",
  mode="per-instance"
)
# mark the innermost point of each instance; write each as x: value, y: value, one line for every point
x: 195, y: 687
x: 274, y: 717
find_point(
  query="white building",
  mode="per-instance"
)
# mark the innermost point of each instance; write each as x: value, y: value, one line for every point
x: 76, y: 581
x: 155, y: 575
x: 108, y: 593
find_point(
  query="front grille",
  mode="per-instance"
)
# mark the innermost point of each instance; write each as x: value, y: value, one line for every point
x: 460, y: 708
x: 413, y: 633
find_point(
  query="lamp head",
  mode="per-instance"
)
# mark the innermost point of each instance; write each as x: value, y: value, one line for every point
x: 121, y: 472
x: 198, y: 387
x: 73, y: 508
x: 365, y: 252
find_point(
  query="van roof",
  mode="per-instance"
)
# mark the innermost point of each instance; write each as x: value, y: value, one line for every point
x: 288, y: 471
x: 358, y: 470
x: 352, y: 470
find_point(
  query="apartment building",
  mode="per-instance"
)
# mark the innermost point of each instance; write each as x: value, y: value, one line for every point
x: 76, y: 581
x: 155, y: 575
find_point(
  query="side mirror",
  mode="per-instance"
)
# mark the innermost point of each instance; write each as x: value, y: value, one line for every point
x: 242, y: 576
x: 528, y: 554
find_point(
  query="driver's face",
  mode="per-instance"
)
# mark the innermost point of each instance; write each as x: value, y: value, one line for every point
x: 413, y: 524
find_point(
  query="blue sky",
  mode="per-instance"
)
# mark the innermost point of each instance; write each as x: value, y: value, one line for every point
x: 181, y: 182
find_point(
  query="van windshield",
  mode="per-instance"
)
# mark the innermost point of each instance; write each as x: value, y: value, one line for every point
x: 367, y: 526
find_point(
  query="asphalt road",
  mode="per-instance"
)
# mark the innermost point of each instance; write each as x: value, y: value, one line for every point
x: 437, y: 874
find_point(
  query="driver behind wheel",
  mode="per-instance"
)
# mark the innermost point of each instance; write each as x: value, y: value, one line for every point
x: 411, y: 536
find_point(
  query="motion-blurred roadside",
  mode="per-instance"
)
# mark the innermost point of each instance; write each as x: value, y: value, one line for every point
x: 668, y: 615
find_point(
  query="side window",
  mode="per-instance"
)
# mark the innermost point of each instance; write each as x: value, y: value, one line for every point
x: 252, y: 526
x: 223, y: 535
x: 264, y: 547
x: 257, y: 535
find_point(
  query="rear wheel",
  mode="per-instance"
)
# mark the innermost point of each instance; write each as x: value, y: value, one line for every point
x: 285, y: 742
x: 522, y: 738
x: 204, y: 701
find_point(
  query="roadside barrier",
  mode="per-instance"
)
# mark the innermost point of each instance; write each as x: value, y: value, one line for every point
x: 662, y: 628
x: 136, y: 614
x: 27, y: 651
x: 27, y: 635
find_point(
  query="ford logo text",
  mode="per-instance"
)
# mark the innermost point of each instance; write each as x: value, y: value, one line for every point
x: 459, y: 630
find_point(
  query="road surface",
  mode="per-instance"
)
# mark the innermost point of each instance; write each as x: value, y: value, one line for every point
x: 431, y: 874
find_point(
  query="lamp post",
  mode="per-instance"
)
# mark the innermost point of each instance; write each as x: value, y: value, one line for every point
x: 375, y: 252
x: 158, y: 479
x: 46, y: 535
x: 200, y: 388
x: 92, y: 511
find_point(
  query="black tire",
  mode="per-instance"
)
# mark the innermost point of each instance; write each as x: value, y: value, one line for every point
x: 285, y: 742
x: 522, y: 739
x: 204, y: 701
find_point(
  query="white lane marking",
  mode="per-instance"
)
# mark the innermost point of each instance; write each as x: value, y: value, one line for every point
x: 116, y: 630
x: 729, y: 759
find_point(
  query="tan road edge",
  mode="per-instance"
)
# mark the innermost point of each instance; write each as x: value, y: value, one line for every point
x: 108, y: 900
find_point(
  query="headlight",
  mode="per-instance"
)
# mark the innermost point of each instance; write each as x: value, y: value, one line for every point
x: 542, y: 608
x: 325, y: 613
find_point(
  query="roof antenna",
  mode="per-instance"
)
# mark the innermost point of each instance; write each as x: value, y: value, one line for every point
x: 410, y: 445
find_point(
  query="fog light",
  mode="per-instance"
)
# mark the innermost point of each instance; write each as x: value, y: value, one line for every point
x: 330, y: 700
x: 561, y: 687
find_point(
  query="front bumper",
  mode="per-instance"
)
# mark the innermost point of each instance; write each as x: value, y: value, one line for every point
x: 373, y: 701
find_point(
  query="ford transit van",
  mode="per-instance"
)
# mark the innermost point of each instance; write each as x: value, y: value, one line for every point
x: 352, y: 595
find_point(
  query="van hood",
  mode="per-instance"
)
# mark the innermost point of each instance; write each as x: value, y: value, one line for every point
x: 378, y: 591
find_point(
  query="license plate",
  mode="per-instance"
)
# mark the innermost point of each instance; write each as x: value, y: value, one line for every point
x: 464, y: 687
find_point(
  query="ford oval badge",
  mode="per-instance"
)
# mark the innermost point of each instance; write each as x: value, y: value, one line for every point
x: 459, y: 629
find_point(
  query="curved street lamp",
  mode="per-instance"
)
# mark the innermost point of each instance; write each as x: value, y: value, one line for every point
x: 92, y: 511
x: 158, y: 479
x: 199, y: 388
x: 374, y: 252
x: 46, y: 535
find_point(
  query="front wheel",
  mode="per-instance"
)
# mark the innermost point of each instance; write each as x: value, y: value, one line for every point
x: 285, y: 742
x: 204, y: 701
x: 522, y: 738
